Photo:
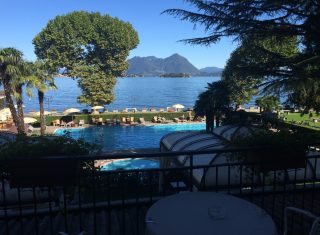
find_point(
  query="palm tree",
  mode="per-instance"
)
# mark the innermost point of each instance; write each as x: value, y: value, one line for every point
x: 12, y: 73
x: 212, y: 103
x: 42, y: 81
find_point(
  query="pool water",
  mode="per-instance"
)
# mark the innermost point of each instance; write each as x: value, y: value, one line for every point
x: 127, y: 137
x: 130, y: 164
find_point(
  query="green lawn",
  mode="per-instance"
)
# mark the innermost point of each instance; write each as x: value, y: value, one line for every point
x: 302, y: 120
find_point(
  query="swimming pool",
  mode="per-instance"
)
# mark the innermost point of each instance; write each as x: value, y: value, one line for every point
x: 127, y: 137
x: 130, y: 164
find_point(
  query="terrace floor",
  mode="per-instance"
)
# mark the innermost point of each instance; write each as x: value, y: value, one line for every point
x: 129, y: 219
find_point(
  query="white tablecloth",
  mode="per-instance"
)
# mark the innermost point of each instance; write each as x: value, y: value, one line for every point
x: 206, y: 213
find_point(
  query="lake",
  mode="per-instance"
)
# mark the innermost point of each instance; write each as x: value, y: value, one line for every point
x: 140, y: 93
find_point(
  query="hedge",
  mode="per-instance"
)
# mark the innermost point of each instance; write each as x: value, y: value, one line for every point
x: 88, y: 117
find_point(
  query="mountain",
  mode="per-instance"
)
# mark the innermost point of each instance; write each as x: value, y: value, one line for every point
x: 153, y: 66
x: 211, y: 71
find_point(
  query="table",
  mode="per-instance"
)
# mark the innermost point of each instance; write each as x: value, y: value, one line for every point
x: 207, y: 213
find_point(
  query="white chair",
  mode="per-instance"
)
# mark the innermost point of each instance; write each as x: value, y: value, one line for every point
x: 30, y: 129
x: 315, y: 228
x: 81, y: 122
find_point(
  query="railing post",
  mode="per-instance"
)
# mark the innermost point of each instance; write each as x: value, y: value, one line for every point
x: 191, y: 172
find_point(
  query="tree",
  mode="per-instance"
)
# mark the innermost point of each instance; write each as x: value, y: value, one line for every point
x: 268, y: 103
x: 241, y: 86
x: 248, y: 68
x: 92, y: 48
x: 213, y: 103
x: 42, y: 80
x: 257, y: 20
x: 306, y: 97
x: 13, y: 71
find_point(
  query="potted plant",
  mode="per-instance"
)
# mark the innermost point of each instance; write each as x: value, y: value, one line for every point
x: 43, y: 161
x: 274, y: 150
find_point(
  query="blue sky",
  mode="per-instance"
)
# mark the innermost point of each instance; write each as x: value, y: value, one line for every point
x: 21, y: 20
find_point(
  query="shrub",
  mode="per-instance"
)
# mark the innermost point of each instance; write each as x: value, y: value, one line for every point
x: 26, y: 147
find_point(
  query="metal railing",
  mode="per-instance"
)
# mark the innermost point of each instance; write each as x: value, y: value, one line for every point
x: 84, y: 198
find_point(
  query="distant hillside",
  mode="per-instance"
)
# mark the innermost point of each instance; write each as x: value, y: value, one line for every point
x: 174, y: 64
x: 211, y: 70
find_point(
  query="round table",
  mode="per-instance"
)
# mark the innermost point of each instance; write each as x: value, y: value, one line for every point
x: 207, y: 213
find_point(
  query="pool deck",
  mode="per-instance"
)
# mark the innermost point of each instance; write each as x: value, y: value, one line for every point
x: 51, y: 129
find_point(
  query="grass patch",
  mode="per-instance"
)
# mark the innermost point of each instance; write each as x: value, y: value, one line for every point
x: 309, y: 121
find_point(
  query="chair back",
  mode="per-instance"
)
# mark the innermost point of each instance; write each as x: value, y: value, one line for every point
x: 315, y: 229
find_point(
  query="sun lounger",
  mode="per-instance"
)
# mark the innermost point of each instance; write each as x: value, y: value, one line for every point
x: 81, y: 122
x: 142, y: 121
x: 128, y: 120
x: 56, y: 122
x: 155, y: 119
x: 70, y: 124
x: 30, y: 130
x: 94, y: 120
x: 100, y: 121
x: 177, y: 120
x: 163, y: 120
x: 109, y: 122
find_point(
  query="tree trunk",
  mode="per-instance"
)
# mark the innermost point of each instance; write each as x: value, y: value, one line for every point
x: 20, y: 112
x: 41, y: 105
x: 16, y: 120
x: 217, y: 120
x: 209, y: 121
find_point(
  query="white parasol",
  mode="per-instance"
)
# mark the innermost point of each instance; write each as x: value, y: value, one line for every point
x: 178, y: 106
x: 71, y: 110
x: 97, y: 107
x: 29, y: 120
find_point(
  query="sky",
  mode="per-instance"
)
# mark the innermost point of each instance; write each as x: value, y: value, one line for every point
x: 158, y: 33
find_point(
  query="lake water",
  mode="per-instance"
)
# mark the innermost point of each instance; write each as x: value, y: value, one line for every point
x: 129, y: 92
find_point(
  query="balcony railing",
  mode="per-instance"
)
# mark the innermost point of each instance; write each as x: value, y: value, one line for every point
x: 85, y: 198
